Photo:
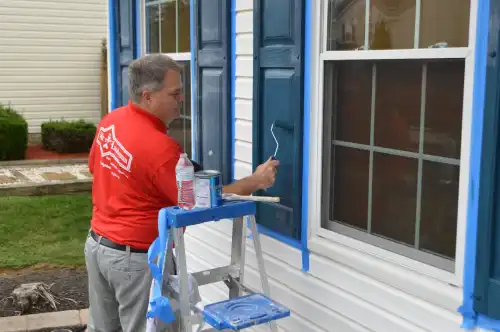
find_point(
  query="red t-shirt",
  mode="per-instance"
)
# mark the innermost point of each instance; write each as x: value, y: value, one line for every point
x: 133, y: 162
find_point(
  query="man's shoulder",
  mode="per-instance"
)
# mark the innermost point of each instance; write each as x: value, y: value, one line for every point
x: 162, y: 144
x: 114, y: 115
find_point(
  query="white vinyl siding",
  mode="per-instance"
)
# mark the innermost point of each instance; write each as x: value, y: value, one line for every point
x: 50, y: 58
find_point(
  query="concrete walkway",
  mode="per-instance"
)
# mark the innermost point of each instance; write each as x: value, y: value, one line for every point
x: 44, y: 178
x: 52, y: 320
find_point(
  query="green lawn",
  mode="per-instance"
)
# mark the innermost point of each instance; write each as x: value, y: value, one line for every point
x: 43, y: 229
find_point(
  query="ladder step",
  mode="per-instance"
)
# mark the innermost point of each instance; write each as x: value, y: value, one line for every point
x: 243, y: 312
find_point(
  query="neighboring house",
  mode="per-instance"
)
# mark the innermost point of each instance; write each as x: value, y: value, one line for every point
x: 387, y: 116
x: 50, y: 58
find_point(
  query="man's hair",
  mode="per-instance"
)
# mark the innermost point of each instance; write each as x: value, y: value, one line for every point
x: 148, y: 73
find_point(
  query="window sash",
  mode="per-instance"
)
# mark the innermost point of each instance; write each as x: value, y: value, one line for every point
x: 180, y: 56
x: 367, y: 236
x: 317, y: 212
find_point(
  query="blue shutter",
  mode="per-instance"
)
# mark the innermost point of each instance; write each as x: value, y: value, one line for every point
x: 125, y: 41
x: 212, y: 90
x: 278, y: 97
x: 487, y: 279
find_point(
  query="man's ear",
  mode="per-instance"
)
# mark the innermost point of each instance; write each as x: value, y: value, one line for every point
x: 146, y: 96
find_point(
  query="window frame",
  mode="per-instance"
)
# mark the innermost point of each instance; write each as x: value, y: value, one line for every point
x: 332, y: 244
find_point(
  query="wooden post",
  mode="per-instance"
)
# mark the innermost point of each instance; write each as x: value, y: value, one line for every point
x: 104, y: 78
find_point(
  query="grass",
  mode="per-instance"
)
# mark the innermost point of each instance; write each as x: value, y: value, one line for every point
x: 43, y: 229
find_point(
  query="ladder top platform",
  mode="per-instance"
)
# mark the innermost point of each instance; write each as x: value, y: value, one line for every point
x: 178, y: 217
x: 243, y: 312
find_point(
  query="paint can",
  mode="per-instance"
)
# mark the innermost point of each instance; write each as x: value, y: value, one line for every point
x: 208, y: 189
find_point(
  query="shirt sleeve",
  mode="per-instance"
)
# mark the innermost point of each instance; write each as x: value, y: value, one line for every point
x: 91, y: 158
x: 164, y: 181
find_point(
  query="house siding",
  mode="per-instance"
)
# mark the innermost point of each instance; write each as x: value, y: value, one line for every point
x: 334, y: 295
x: 50, y: 58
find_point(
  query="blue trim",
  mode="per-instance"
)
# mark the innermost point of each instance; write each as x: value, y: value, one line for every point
x: 233, y: 86
x: 307, y: 126
x: 470, y: 318
x: 137, y: 26
x: 282, y: 238
x: 194, y: 117
x: 113, y: 57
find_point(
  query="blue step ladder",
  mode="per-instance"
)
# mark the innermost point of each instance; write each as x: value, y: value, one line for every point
x: 244, y: 308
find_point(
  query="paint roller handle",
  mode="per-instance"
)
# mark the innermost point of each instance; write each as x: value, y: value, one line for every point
x: 234, y: 197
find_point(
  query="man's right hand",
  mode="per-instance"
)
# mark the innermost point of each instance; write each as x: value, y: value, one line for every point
x: 263, y: 178
x: 265, y: 174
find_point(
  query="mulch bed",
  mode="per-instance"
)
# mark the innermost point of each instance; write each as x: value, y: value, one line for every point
x: 37, y: 152
x: 68, y: 283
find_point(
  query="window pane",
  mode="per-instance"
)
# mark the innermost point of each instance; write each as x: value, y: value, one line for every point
x: 444, y: 107
x: 444, y: 21
x: 394, y: 197
x: 392, y: 24
x: 350, y: 99
x: 438, y: 218
x: 404, y: 92
x: 398, y: 104
x: 350, y: 190
x: 346, y: 25
x: 180, y: 129
x: 184, y: 26
x: 152, y: 29
x: 175, y: 25
x: 168, y: 27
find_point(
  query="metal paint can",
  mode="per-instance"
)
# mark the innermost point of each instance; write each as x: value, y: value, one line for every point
x: 208, y: 189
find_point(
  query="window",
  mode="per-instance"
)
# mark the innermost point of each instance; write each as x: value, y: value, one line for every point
x: 168, y: 31
x: 393, y: 99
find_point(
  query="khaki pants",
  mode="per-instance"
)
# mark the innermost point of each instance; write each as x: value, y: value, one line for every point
x: 119, y: 284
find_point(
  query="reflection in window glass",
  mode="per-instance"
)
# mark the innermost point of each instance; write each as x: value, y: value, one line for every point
x: 152, y: 29
x: 346, y: 25
x: 392, y: 24
x: 180, y: 129
x: 168, y: 26
x: 444, y: 21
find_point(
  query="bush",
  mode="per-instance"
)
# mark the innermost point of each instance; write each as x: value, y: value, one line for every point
x: 13, y: 134
x: 68, y: 136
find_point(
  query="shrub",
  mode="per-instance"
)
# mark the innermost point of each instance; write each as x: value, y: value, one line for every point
x: 13, y: 134
x: 68, y: 136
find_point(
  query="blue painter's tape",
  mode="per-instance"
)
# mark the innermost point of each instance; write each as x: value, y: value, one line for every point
x: 194, y: 117
x: 306, y: 143
x: 160, y: 305
x: 280, y: 237
x: 470, y: 317
x: 488, y: 323
x: 113, y: 57
x: 233, y: 85
x: 138, y: 30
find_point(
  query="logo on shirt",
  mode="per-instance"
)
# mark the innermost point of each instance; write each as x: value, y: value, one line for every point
x: 111, y: 148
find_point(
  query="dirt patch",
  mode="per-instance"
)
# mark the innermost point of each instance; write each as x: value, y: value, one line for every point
x: 69, y: 284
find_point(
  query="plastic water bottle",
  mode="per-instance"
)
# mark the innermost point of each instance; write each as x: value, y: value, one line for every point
x: 184, y: 174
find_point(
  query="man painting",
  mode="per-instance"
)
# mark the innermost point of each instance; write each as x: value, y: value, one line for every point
x: 133, y: 163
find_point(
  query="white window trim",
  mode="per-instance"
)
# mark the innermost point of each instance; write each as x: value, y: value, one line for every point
x: 181, y: 56
x: 381, y: 261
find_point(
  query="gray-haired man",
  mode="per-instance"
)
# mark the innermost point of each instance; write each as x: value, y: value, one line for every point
x: 133, y: 162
